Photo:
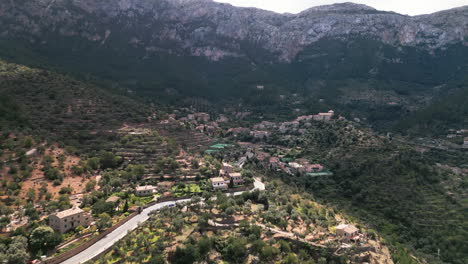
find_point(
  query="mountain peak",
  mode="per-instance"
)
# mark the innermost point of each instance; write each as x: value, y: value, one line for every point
x: 341, y: 7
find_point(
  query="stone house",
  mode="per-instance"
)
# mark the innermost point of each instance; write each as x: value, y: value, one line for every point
x: 296, y: 167
x: 274, y: 162
x: 113, y: 199
x: 263, y: 158
x: 227, y: 168
x: 238, y: 131
x: 304, y: 118
x: 219, y: 183
x: 202, y: 117
x: 264, y: 125
x: 324, y: 116
x: 258, y: 134
x: 146, y: 190
x: 69, y: 219
x: 347, y: 232
x: 313, y: 168
x: 236, y: 178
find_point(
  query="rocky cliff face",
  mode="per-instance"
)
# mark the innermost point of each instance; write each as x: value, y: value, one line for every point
x: 216, y: 31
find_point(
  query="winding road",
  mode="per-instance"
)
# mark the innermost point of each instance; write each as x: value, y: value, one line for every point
x: 113, y: 237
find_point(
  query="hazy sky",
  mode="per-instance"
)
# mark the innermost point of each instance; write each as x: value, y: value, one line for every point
x: 408, y: 7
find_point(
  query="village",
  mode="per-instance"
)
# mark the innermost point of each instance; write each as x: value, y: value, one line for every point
x: 151, y: 167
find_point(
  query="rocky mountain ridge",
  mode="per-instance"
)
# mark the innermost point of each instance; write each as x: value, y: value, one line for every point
x: 216, y: 31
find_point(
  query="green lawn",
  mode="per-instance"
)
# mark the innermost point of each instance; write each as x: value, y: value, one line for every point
x: 187, y: 189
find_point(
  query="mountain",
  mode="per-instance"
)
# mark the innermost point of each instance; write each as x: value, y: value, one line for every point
x: 217, y: 31
x: 200, y: 48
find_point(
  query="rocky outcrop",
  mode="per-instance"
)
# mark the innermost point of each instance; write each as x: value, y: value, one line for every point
x: 216, y: 30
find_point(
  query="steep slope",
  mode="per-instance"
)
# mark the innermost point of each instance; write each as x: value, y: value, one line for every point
x: 144, y: 34
x: 54, y: 104
x: 206, y: 28
x: 405, y: 194
x: 446, y: 113
x: 199, y: 48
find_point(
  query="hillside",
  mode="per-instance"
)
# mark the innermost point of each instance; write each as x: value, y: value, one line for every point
x: 50, y: 104
x: 376, y: 66
x: 400, y: 190
x: 351, y: 120
x: 278, y: 225
x: 445, y: 114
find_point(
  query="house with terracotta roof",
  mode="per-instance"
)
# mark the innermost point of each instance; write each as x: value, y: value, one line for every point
x: 146, y: 190
x: 347, y: 232
x: 274, y: 162
x: 313, y: 168
x: 69, y: 219
x: 238, y: 131
x: 219, y: 183
x: 113, y: 199
x: 227, y: 168
x: 258, y: 134
x: 324, y: 116
x: 202, y: 117
x: 264, y: 125
x: 296, y: 167
x: 236, y: 178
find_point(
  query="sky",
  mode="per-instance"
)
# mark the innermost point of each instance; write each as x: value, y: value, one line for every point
x: 407, y: 7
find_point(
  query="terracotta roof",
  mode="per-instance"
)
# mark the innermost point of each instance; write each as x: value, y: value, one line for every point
x: 145, y: 188
x: 262, y: 155
x: 69, y: 212
x: 295, y: 165
x: 274, y: 160
x: 225, y: 164
x: 347, y: 228
x: 113, y: 199
x: 217, y: 179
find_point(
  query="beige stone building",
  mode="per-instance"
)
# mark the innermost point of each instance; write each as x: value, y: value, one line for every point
x: 219, y: 183
x: 69, y: 219
x: 347, y: 232
x: 236, y: 178
x: 324, y: 116
x: 146, y: 190
x: 113, y: 199
x: 227, y: 168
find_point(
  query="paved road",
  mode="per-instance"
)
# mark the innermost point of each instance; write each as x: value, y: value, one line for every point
x: 109, y: 240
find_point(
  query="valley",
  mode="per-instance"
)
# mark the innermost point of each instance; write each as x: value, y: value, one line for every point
x: 190, y: 131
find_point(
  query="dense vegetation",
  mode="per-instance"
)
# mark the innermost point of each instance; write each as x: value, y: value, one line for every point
x: 448, y: 112
x: 360, y: 77
x: 185, y: 234
x: 391, y: 186
x: 399, y: 191
x: 50, y: 102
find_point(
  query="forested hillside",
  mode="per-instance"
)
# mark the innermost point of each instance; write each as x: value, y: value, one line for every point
x: 46, y: 102
x: 448, y: 112
x: 401, y: 192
